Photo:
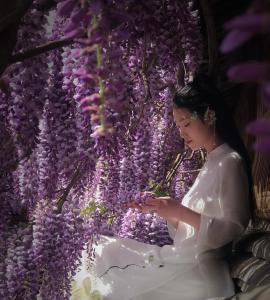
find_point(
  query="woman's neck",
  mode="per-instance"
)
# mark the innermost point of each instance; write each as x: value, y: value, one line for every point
x: 214, y: 143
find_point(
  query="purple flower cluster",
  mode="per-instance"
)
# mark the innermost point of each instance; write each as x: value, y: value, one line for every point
x: 242, y: 28
x: 41, y: 241
x: 109, y: 34
x: 27, y: 95
x: 87, y: 128
x: 60, y: 236
x: 186, y: 173
x: 21, y: 273
x: 150, y: 228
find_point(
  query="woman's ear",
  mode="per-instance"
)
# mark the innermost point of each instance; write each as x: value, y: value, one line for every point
x: 209, y: 117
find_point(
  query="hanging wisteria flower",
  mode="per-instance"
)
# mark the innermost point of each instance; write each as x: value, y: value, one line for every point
x: 258, y: 72
x: 261, y: 129
x: 243, y: 28
x: 265, y: 93
x: 90, y: 127
x: 258, y: 23
x: 66, y: 7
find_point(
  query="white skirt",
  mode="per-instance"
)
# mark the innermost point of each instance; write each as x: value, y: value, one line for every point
x: 125, y: 269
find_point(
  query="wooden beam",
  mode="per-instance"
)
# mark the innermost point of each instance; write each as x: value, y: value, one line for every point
x: 211, y: 37
x: 40, y: 49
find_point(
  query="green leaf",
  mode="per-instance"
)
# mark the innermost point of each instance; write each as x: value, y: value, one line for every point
x: 157, y: 189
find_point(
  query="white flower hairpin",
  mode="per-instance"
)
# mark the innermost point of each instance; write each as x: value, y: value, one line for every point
x: 194, y: 116
x: 210, y: 116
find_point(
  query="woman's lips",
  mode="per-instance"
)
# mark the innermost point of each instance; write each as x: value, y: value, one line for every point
x: 188, y: 142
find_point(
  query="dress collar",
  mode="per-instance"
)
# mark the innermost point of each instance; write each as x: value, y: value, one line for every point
x: 218, y: 150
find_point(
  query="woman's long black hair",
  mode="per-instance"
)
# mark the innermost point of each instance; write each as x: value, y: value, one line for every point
x: 200, y: 94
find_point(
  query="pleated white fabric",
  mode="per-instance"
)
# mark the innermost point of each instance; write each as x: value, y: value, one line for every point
x: 193, y: 268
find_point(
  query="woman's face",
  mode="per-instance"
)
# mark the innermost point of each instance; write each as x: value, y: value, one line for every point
x: 195, y: 133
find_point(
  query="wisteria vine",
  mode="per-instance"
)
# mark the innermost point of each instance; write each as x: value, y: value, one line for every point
x: 86, y: 128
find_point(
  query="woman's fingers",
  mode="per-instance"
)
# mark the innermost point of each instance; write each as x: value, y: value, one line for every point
x: 148, y: 208
x: 147, y: 193
x: 152, y: 201
x: 151, y: 204
x: 130, y: 204
x: 136, y: 205
x: 166, y: 198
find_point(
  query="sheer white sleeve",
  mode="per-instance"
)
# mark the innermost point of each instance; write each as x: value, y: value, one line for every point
x: 171, y: 230
x: 233, y: 200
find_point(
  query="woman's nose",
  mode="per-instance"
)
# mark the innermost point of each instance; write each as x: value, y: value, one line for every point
x: 182, y: 133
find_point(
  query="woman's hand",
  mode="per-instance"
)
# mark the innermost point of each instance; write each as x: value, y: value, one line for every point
x: 172, y: 211
x: 165, y: 207
x: 168, y: 208
x: 131, y: 204
x: 138, y: 204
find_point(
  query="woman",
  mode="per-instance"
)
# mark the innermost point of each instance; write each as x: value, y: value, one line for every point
x: 213, y: 213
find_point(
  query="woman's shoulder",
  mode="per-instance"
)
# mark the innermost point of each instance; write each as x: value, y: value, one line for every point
x: 231, y: 154
x: 231, y: 159
x: 224, y: 160
x: 224, y: 154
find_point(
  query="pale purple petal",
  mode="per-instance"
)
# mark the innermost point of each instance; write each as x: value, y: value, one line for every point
x: 263, y: 145
x: 70, y: 27
x: 249, y: 72
x: 265, y: 93
x: 65, y: 8
x: 235, y: 39
x: 78, y: 16
x: 94, y: 98
x: 77, y: 32
x: 250, y: 22
x: 259, y: 127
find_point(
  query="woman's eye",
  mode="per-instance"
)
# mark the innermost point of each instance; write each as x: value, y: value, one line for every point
x: 186, y: 125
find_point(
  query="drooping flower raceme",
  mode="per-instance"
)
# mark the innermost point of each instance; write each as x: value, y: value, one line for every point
x: 242, y: 28
x: 91, y: 127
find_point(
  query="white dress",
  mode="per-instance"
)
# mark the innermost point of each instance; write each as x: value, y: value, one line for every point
x: 193, y: 268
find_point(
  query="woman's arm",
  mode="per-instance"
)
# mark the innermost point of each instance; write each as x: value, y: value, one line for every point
x: 190, y: 217
x: 233, y: 204
x: 172, y: 211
